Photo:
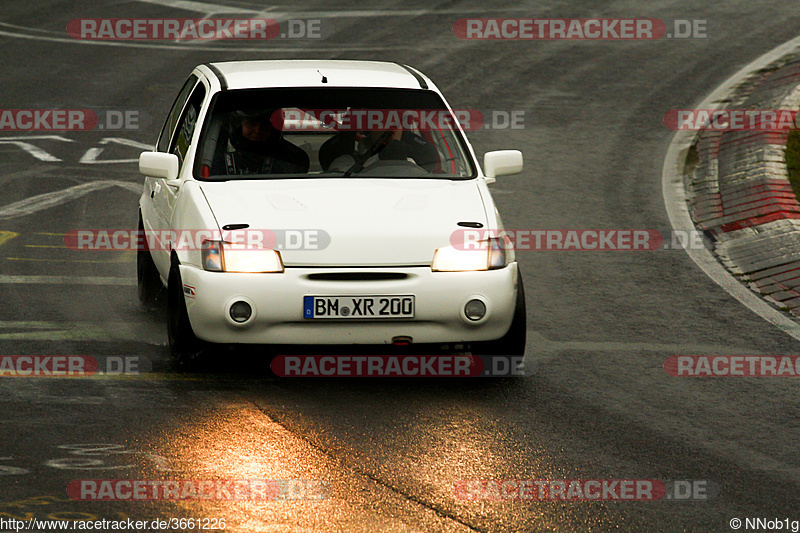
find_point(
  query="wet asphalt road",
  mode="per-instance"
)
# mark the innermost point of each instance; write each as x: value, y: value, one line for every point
x: 601, y: 324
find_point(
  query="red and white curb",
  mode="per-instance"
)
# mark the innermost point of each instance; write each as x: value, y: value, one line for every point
x: 738, y: 191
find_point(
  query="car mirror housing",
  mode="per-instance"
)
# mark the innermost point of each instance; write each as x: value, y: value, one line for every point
x: 159, y: 165
x: 502, y: 163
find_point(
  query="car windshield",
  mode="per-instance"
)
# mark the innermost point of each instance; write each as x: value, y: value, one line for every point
x: 334, y: 132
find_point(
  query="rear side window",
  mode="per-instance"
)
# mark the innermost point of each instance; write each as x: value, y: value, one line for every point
x: 172, y: 119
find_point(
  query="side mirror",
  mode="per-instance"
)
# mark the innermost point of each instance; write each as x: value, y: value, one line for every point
x: 159, y: 165
x: 501, y: 163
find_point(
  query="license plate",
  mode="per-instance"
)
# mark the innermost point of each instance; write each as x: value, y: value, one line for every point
x: 358, y: 307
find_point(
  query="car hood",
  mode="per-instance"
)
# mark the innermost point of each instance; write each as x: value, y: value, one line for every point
x: 356, y: 221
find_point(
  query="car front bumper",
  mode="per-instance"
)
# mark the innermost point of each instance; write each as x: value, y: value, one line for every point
x: 277, y: 303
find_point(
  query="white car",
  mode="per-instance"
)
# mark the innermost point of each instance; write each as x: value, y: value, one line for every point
x: 325, y: 203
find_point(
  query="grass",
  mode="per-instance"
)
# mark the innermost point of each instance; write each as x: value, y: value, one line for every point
x: 793, y: 160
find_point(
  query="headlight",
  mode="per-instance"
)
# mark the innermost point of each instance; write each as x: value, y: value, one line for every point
x: 220, y: 256
x: 490, y: 254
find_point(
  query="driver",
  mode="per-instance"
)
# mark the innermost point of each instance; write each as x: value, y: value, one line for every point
x: 255, y: 146
x: 394, y: 145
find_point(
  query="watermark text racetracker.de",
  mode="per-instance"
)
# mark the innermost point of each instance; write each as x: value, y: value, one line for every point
x: 196, y: 489
x: 591, y: 29
x: 363, y: 120
x: 128, y: 524
x: 319, y: 239
x: 71, y: 119
x: 585, y: 490
x: 71, y: 365
x: 208, y: 29
x: 409, y: 365
x: 762, y: 366
x: 250, y: 238
x: 577, y: 239
x: 732, y: 119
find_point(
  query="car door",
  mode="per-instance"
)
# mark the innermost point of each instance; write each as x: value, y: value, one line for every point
x: 176, y: 139
x: 150, y: 217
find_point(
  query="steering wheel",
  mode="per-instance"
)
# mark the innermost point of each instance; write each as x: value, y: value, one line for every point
x: 394, y: 167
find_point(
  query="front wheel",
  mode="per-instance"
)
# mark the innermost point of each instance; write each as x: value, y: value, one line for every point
x: 183, y: 343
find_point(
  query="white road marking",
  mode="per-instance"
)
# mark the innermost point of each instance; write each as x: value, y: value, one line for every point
x: 209, y: 9
x: 66, y: 280
x: 37, y: 137
x: 201, y: 7
x: 39, y: 202
x: 11, y: 470
x: 91, y: 155
x: 127, y: 142
x: 35, y: 151
x: 182, y: 47
x: 273, y: 12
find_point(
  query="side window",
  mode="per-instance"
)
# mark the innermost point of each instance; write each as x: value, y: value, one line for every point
x: 185, y: 129
x: 174, y: 113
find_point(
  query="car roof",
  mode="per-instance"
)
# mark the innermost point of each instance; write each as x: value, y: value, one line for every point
x: 310, y: 73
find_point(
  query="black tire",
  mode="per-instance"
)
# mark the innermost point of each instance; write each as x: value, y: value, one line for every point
x: 513, y: 342
x: 149, y: 287
x: 183, y: 344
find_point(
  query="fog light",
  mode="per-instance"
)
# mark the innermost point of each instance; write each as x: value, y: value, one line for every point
x: 475, y: 309
x: 241, y: 312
